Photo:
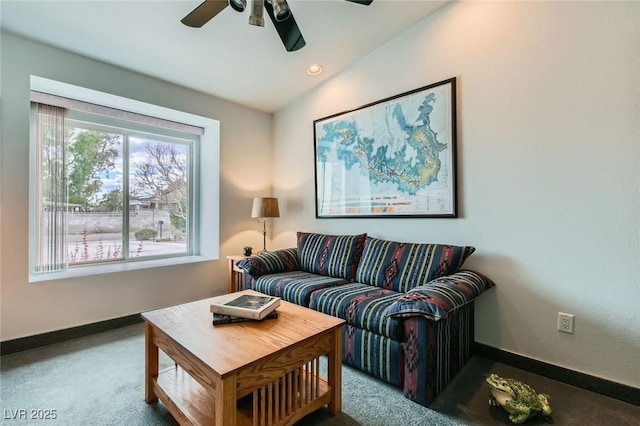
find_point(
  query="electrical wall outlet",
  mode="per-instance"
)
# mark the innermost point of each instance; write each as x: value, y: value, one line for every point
x: 565, y: 322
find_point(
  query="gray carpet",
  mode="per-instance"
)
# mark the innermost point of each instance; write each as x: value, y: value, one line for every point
x: 99, y: 380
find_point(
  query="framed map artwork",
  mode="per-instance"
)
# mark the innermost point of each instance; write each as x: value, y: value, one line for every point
x: 392, y: 158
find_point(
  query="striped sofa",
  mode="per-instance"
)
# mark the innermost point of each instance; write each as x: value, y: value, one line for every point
x: 407, y: 306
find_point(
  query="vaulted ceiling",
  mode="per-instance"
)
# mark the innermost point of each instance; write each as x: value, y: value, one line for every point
x: 227, y: 57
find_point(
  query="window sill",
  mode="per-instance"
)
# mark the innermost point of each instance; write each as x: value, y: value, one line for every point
x: 115, y: 267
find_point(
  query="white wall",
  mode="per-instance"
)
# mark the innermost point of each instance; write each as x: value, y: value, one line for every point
x: 33, y: 308
x: 548, y: 168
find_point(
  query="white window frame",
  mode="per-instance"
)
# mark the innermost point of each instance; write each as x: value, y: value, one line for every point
x: 206, y: 237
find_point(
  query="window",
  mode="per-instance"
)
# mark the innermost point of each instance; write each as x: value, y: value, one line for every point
x: 116, y: 185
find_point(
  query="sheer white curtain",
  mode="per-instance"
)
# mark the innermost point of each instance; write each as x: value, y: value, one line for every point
x: 51, y: 199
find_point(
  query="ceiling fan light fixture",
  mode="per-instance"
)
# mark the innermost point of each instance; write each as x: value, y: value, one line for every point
x: 315, y: 69
x: 238, y: 5
x: 281, y: 10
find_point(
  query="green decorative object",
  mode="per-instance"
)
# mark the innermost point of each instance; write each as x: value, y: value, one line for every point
x: 246, y: 250
x: 517, y: 398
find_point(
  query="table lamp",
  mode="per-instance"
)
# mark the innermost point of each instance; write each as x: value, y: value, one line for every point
x: 264, y: 208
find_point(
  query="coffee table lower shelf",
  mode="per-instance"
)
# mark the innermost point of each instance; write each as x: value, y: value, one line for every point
x: 282, y: 402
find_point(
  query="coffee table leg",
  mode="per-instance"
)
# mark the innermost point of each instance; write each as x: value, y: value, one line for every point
x: 225, y: 401
x: 150, y: 365
x: 335, y: 373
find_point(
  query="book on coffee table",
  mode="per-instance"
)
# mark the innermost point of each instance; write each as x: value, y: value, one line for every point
x: 229, y: 319
x: 244, y: 305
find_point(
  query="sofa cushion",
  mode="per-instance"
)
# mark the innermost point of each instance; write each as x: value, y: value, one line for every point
x: 403, y: 266
x: 332, y: 255
x: 270, y: 262
x: 295, y: 287
x: 440, y: 297
x: 360, y: 305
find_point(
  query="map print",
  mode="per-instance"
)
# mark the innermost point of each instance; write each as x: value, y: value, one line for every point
x: 394, y: 157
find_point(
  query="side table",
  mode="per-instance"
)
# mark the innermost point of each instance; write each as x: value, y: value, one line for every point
x: 235, y: 273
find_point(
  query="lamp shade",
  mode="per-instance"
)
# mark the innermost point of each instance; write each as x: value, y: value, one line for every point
x: 265, y: 207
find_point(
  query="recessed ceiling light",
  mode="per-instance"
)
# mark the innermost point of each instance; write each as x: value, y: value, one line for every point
x: 314, y: 69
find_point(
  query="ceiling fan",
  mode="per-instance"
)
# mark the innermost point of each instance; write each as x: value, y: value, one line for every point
x: 278, y: 11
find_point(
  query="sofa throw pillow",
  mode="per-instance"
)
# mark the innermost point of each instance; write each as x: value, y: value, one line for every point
x: 402, y: 266
x: 442, y: 296
x: 270, y: 262
x: 333, y: 255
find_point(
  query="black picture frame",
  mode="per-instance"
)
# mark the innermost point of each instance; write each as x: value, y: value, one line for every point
x: 392, y: 158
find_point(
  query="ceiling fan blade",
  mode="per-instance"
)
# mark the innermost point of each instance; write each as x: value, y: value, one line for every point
x: 364, y: 2
x: 287, y: 30
x: 203, y: 13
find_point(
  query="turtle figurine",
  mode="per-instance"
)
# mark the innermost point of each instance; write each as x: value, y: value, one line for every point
x: 517, y: 398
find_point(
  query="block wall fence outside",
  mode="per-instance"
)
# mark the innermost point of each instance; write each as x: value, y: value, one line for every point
x: 111, y: 222
x: 106, y: 222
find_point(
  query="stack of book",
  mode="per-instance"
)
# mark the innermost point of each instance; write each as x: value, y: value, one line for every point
x: 243, y: 307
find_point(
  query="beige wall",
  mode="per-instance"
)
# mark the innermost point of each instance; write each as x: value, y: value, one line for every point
x: 33, y: 308
x: 548, y: 168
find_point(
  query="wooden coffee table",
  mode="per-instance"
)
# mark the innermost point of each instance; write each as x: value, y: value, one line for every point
x: 254, y: 373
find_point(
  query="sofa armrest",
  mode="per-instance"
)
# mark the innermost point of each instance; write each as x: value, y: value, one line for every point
x: 435, y: 351
x: 272, y: 262
x: 438, y: 298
